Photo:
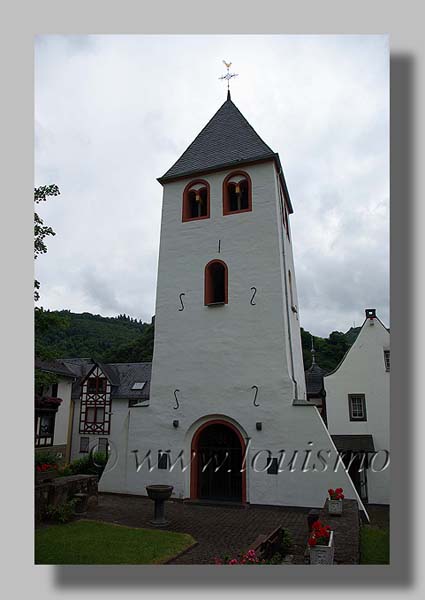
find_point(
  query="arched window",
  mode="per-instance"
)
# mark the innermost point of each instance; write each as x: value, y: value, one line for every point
x: 237, y: 194
x: 196, y: 201
x: 215, y: 283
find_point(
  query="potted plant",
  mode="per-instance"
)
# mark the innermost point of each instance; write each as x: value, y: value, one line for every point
x: 321, y: 544
x: 335, y: 501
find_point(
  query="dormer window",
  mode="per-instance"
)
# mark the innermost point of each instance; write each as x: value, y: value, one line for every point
x: 237, y: 195
x: 215, y: 283
x: 96, y: 385
x: 196, y: 201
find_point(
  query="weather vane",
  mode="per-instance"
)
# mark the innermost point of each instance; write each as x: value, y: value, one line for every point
x: 228, y: 75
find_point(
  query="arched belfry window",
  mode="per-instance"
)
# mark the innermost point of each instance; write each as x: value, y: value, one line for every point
x: 196, y: 200
x: 237, y: 193
x: 215, y: 283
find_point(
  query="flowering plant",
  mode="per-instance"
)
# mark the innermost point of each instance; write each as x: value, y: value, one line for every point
x: 336, y: 494
x: 46, y: 467
x: 319, y: 534
x: 249, y: 558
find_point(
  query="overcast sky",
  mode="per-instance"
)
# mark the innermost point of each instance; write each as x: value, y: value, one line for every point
x: 113, y: 113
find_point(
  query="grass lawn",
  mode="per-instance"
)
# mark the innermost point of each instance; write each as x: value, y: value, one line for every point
x: 94, y: 543
x: 374, y: 546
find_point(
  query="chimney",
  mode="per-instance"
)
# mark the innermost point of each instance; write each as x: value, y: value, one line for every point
x: 371, y: 315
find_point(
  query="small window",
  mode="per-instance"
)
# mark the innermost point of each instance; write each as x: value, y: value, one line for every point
x: 95, y: 414
x: 237, y: 195
x: 84, y: 444
x: 357, y: 407
x: 272, y: 469
x: 96, y: 385
x: 162, y: 460
x: 55, y: 390
x: 102, y: 445
x: 138, y: 385
x: 215, y: 283
x: 387, y: 359
x: 44, y: 427
x: 196, y: 201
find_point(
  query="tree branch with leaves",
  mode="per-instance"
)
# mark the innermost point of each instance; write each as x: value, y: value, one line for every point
x: 41, y: 231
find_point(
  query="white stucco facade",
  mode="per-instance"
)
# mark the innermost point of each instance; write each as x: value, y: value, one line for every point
x: 364, y: 372
x: 63, y: 415
x: 210, y: 357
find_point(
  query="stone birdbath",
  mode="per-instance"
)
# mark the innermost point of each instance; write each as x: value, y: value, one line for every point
x: 159, y: 494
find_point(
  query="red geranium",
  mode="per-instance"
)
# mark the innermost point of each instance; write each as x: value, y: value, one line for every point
x: 336, y: 494
x: 319, y: 534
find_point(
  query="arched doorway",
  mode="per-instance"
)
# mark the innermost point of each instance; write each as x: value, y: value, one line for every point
x: 216, y: 472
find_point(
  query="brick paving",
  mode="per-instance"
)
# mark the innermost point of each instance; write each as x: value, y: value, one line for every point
x: 219, y: 530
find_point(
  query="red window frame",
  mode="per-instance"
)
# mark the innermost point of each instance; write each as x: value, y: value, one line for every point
x: 226, y: 195
x: 98, y: 389
x: 208, y: 283
x: 186, y: 201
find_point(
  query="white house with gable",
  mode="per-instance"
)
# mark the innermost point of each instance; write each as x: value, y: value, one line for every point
x: 228, y: 392
x: 357, y: 409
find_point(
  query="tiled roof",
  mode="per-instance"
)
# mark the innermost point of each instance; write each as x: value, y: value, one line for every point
x: 121, y: 375
x: 314, y: 380
x: 53, y: 366
x: 227, y: 139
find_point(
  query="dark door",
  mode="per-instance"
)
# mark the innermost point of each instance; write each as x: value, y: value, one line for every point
x: 357, y: 464
x: 219, y: 464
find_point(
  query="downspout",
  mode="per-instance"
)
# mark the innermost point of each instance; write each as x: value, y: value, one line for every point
x: 288, y: 314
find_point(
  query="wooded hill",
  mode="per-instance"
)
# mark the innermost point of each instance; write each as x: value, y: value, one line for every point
x: 63, y: 334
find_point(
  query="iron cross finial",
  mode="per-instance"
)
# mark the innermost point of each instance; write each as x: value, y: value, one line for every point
x: 228, y: 76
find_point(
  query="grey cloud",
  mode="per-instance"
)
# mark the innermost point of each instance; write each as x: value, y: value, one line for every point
x: 114, y: 112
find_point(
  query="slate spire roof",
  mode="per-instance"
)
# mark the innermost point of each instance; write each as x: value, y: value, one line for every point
x: 226, y: 140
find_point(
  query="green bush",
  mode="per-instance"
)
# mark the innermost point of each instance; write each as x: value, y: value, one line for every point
x: 93, y: 464
x: 47, y: 458
x: 61, y: 513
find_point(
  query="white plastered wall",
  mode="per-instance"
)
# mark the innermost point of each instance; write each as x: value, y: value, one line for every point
x: 363, y: 372
x: 214, y: 355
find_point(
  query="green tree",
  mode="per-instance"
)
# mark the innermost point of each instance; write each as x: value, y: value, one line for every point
x: 43, y: 320
x: 41, y: 231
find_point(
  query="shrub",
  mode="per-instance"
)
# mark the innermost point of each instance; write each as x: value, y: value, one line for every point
x: 45, y: 458
x: 62, y: 513
x: 93, y: 464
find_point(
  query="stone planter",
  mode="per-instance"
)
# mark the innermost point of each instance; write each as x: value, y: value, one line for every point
x: 335, y: 507
x: 42, y: 476
x: 323, y: 555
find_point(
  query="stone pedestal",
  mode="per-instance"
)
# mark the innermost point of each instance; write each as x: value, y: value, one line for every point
x: 159, y: 494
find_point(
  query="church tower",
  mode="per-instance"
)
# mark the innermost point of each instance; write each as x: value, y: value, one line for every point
x: 228, y: 388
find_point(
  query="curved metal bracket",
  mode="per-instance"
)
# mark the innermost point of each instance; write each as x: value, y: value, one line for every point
x: 181, y: 301
x: 176, y: 399
x: 255, y: 387
x: 254, y: 289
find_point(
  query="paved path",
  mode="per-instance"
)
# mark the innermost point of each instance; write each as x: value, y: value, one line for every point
x: 219, y: 530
